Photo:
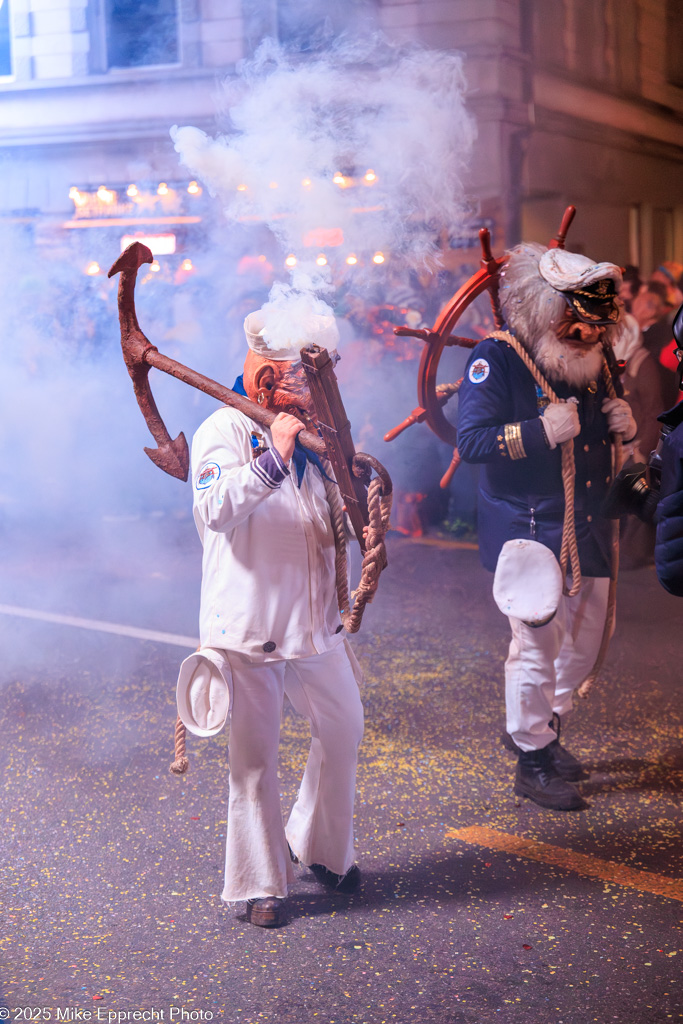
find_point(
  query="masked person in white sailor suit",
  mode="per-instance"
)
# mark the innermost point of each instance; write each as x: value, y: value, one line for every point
x: 560, y: 306
x: 270, y: 626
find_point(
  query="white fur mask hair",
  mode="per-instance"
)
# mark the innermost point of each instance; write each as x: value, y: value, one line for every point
x: 532, y: 310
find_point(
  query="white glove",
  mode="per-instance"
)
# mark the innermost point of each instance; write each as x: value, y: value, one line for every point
x: 619, y: 418
x: 560, y: 422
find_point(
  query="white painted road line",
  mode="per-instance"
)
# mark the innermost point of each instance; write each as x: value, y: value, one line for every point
x: 102, y: 627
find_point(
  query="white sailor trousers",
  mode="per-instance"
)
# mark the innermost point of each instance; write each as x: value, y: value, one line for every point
x: 547, y: 663
x: 324, y: 689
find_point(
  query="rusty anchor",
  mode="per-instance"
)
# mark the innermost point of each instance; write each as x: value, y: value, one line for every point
x: 141, y: 355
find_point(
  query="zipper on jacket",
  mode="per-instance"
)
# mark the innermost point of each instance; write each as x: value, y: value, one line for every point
x: 532, y: 523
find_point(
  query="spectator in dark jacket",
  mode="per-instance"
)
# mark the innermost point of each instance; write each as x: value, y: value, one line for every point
x: 669, y: 518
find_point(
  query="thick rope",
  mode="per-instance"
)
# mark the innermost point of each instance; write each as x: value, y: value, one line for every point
x: 181, y: 763
x: 375, y: 558
x: 569, y: 552
x: 610, y: 614
x: 444, y: 392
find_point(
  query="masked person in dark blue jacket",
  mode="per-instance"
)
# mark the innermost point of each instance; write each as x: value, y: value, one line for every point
x: 669, y: 518
x: 559, y: 307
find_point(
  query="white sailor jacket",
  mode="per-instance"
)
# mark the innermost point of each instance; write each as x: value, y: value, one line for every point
x: 268, y: 572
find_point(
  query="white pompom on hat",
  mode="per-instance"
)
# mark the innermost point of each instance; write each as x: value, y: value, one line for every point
x: 273, y: 338
x: 528, y: 582
x: 566, y: 271
x: 204, y: 692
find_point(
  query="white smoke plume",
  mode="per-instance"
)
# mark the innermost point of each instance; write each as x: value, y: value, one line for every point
x: 364, y: 147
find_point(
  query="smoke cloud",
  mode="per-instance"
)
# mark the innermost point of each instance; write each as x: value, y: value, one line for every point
x: 361, y: 150
x: 76, y: 489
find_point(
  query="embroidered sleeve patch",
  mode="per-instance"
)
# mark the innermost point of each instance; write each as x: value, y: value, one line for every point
x: 479, y: 371
x: 208, y: 475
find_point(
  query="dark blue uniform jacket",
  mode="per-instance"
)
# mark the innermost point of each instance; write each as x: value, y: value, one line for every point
x: 521, y: 490
x: 669, y: 542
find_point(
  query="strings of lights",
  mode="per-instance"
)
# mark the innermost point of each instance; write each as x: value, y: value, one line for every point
x: 103, y: 201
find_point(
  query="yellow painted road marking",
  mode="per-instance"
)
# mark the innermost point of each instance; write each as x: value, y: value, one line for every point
x: 582, y: 863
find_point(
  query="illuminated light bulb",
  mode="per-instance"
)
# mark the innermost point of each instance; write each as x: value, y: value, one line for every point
x: 306, y: 183
x: 93, y: 268
x: 163, y: 189
x: 339, y: 179
x: 262, y: 259
x: 78, y: 197
x: 241, y: 188
x: 321, y: 260
x: 132, y: 190
x: 155, y: 266
x: 370, y: 177
x: 187, y: 265
x: 290, y: 261
x: 352, y: 260
x: 273, y: 184
x: 104, y: 195
x: 194, y: 188
x: 378, y: 258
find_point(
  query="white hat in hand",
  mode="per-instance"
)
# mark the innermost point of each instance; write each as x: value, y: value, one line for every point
x: 203, y: 694
x: 527, y: 584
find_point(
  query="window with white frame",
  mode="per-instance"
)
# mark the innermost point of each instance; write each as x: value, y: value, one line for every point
x: 5, y: 42
x: 141, y: 33
x: 309, y: 25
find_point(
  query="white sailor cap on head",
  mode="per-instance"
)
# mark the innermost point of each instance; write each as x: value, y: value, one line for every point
x: 280, y: 340
x: 589, y: 288
x: 567, y: 271
x: 527, y: 584
x: 203, y: 693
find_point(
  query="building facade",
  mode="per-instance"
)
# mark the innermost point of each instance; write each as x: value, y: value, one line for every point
x: 576, y: 101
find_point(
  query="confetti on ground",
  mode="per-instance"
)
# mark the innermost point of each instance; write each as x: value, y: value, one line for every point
x: 112, y: 867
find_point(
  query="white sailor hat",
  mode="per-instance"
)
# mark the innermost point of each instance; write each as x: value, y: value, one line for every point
x: 203, y: 693
x: 527, y: 584
x: 279, y: 338
x: 590, y: 288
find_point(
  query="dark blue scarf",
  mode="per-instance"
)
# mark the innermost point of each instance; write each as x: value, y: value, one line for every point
x: 301, y: 455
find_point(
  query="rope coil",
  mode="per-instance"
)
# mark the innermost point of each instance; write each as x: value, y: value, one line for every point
x: 375, y: 558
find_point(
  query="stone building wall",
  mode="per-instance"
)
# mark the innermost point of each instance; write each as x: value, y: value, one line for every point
x: 576, y: 101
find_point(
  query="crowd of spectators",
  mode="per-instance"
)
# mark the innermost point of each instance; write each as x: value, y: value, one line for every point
x: 649, y: 379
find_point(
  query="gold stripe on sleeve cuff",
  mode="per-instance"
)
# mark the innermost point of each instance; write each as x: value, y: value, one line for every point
x: 513, y: 439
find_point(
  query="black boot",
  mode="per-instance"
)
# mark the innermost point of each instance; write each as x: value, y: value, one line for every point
x: 564, y: 763
x: 348, y: 883
x: 538, y: 780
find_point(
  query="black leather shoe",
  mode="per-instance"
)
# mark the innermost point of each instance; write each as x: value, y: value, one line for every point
x: 348, y: 883
x: 267, y: 912
x: 538, y: 779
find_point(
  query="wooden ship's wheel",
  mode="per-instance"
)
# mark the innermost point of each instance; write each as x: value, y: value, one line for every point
x: 431, y: 396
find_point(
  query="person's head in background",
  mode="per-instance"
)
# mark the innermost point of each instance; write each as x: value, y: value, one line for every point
x: 670, y: 275
x: 631, y: 284
x: 650, y: 304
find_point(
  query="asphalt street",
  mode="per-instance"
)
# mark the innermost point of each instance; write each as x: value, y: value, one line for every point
x: 474, y: 909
